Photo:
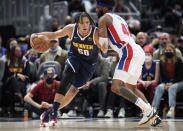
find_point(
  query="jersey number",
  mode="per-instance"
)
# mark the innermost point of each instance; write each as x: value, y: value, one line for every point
x: 83, y: 52
x: 126, y: 30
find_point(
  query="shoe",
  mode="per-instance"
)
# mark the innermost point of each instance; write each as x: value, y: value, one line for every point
x: 121, y: 113
x: 155, y: 121
x: 53, y: 118
x: 72, y: 113
x: 100, y: 113
x: 109, y: 113
x: 59, y: 114
x: 147, y: 117
x: 171, y: 113
x: 44, y: 121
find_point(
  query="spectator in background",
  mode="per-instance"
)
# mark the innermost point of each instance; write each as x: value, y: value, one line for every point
x: 22, y: 42
x: 64, y: 40
x: 55, y: 53
x: 76, y: 6
x: 112, y: 97
x: 164, y: 39
x: 11, y: 42
x: 90, y: 5
x: 32, y: 56
x: 179, y: 44
x: 141, y: 39
x: 16, y: 77
x: 173, y: 16
x: 98, y: 85
x: 54, y: 25
x: 2, y: 50
x: 44, y: 91
x: 172, y: 78
x: 149, y: 78
x: 122, y: 8
x: 44, y: 22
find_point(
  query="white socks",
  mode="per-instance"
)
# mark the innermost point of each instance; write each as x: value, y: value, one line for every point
x: 142, y: 105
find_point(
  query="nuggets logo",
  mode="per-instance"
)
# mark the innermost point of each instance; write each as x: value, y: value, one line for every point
x: 49, y: 71
x: 90, y: 38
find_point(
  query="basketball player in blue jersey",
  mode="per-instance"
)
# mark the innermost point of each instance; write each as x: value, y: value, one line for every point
x: 80, y: 65
x: 113, y: 31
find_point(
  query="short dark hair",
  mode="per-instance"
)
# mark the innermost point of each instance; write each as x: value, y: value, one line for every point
x: 80, y: 15
x: 108, y: 2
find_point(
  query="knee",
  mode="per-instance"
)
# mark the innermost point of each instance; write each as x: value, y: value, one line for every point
x: 172, y: 88
x: 160, y: 88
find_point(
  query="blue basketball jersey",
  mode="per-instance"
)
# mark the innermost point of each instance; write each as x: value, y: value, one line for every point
x: 148, y: 75
x: 84, y: 48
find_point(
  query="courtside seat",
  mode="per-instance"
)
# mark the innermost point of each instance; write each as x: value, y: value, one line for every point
x: 47, y: 64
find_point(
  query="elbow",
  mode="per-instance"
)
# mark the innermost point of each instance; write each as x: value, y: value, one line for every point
x: 26, y: 98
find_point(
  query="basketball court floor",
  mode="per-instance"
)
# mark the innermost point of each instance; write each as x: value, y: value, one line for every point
x: 123, y: 124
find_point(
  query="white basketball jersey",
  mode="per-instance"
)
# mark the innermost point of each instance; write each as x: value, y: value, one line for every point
x: 119, y: 34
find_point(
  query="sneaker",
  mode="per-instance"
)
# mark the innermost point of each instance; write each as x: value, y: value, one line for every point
x: 121, y: 113
x: 53, y: 118
x: 155, y: 121
x: 171, y: 113
x: 72, y: 113
x: 109, y: 113
x: 100, y: 113
x: 44, y: 122
x: 59, y: 114
x: 147, y: 117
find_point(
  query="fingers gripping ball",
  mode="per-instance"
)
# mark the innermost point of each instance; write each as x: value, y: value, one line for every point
x: 40, y: 43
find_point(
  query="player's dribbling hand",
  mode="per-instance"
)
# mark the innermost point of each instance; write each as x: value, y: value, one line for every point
x: 31, y: 38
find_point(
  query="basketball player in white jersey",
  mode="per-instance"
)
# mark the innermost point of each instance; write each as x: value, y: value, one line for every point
x: 113, y: 30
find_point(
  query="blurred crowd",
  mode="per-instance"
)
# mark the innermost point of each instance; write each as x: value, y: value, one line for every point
x: 29, y: 79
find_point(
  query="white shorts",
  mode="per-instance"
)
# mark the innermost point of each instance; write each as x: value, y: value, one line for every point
x: 129, y: 69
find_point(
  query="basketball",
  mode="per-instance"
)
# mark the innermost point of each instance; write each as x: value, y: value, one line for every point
x: 40, y: 43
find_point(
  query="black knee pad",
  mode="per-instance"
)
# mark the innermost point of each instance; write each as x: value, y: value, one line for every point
x: 67, y: 76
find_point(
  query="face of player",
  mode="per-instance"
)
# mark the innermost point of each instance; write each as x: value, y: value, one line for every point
x: 100, y: 11
x: 84, y: 26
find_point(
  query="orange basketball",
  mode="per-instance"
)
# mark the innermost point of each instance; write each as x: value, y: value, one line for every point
x: 40, y: 43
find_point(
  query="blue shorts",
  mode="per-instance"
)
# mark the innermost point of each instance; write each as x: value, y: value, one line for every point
x: 83, y: 70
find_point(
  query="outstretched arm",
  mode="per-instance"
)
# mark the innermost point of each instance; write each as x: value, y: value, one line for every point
x: 66, y: 31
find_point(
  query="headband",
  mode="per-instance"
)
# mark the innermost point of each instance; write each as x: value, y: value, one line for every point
x: 104, y: 5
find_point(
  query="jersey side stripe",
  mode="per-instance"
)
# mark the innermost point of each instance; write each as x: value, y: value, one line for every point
x: 115, y: 35
x: 122, y: 61
x: 129, y: 58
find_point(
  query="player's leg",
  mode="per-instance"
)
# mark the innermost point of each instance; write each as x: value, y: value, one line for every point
x: 59, y: 97
x: 71, y: 93
x: 119, y: 88
x: 148, y: 113
x: 136, y: 91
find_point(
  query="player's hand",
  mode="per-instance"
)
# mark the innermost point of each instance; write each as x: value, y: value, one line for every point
x: 45, y: 105
x: 104, y: 48
x: 31, y: 38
